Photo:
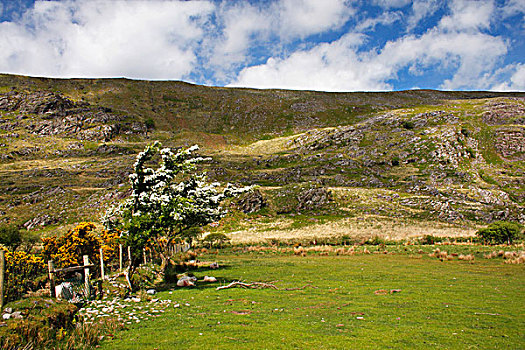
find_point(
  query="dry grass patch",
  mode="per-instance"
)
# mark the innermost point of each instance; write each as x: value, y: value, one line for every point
x: 355, y: 228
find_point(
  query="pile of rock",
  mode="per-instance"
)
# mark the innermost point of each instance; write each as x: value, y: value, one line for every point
x: 10, y: 314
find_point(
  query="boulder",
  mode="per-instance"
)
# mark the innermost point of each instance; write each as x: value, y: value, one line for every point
x: 252, y: 202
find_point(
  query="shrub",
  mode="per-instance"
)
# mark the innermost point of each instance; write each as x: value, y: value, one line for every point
x: 10, y: 237
x: 216, y: 239
x: 150, y: 123
x: 69, y: 249
x: 22, y: 273
x: 429, y: 240
x: 45, y: 322
x: 376, y: 240
x: 109, y: 241
x: 168, y: 203
x: 500, y: 232
x: 407, y: 124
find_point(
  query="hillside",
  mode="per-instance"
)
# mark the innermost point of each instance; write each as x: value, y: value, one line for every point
x: 327, y: 163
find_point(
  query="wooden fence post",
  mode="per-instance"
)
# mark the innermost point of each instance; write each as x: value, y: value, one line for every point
x: 2, y: 272
x: 102, y: 264
x: 51, y: 268
x: 86, y: 274
x: 144, y: 256
x: 120, y: 256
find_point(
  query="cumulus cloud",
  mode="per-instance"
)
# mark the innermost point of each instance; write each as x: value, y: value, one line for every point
x: 386, y: 18
x: 469, y: 15
x: 422, y: 9
x: 296, y: 44
x: 136, y: 39
x: 237, y: 28
x: 388, y: 4
x: 241, y: 26
x: 327, y: 67
x: 301, y: 18
x: 513, y: 78
x: 343, y: 66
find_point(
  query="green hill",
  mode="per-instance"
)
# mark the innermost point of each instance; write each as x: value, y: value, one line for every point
x: 327, y: 163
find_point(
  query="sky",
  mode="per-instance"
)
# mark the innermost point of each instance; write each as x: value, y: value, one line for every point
x: 323, y: 45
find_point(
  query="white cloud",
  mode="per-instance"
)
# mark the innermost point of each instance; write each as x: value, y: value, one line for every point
x: 468, y: 55
x: 513, y: 77
x: 468, y: 15
x: 420, y: 10
x: 241, y: 26
x: 301, y: 18
x: 220, y: 41
x: 136, y: 39
x: 513, y: 7
x: 327, y: 67
x: 388, y: 4
x: 386, y: 18
x: 339, y: 66
x: 238, y: 27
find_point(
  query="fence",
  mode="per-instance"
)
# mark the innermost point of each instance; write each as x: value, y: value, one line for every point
x: 80, y: 287
x: 72, y: 288
x: 2, y: 273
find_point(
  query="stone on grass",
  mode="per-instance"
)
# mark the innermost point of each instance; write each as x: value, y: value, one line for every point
x: 210, y: 279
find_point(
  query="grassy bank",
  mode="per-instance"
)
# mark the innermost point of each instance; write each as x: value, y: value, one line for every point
x: 451, y: 304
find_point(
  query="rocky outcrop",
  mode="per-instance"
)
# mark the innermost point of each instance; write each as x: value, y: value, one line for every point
x: 252, y: 202
x: 43, y: 220
x: 57, y: 115
x: 502, y: 113
x: 35, y: 102
x: 511, y: 143
x: 313, y: 198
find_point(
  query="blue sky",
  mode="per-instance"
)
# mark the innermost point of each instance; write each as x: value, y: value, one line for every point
x: 325, y: 45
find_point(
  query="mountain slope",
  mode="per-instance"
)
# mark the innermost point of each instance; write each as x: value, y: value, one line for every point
x: 451, y: 157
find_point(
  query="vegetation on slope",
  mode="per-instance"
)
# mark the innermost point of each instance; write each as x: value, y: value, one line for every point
x: 450, y: 157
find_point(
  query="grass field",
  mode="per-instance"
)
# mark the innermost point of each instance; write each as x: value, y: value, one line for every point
x: 447, y: 305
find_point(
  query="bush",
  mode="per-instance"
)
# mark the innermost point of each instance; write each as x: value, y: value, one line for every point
x: 500, y: 232
x: 216, y: 239
x: 407, y: 124
x: 13, y: 238
x: 69, y: 249
x: 150, y: 123
x: 10, y: 237
x: 22, y: 274
x: 376, y: 240
x: 429, y: 240
x: 45, y: 322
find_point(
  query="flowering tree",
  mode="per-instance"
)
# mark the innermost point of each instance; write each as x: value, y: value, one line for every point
x: 166, y: 203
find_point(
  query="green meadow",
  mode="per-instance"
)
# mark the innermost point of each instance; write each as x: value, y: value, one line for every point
x: 387, y: 301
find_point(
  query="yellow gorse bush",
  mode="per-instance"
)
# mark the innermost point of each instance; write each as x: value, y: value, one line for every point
x: 22, y: 270
x: 69, y: 249
x: 109, y: 243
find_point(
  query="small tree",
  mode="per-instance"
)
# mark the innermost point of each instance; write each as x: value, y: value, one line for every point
x: 216, y: 239
x: 166, y: 203
x: 10, y: 237
x: 13, y: 238
x: 500, y: 232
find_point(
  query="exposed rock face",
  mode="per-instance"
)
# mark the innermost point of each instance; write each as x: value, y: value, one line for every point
x: 252, y: 202
x: 501, y: 113
x: 511, y: 143
x: 313, y: 198
x: 43, y: 220
x: 35, y: 103
x: 58, y: 115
